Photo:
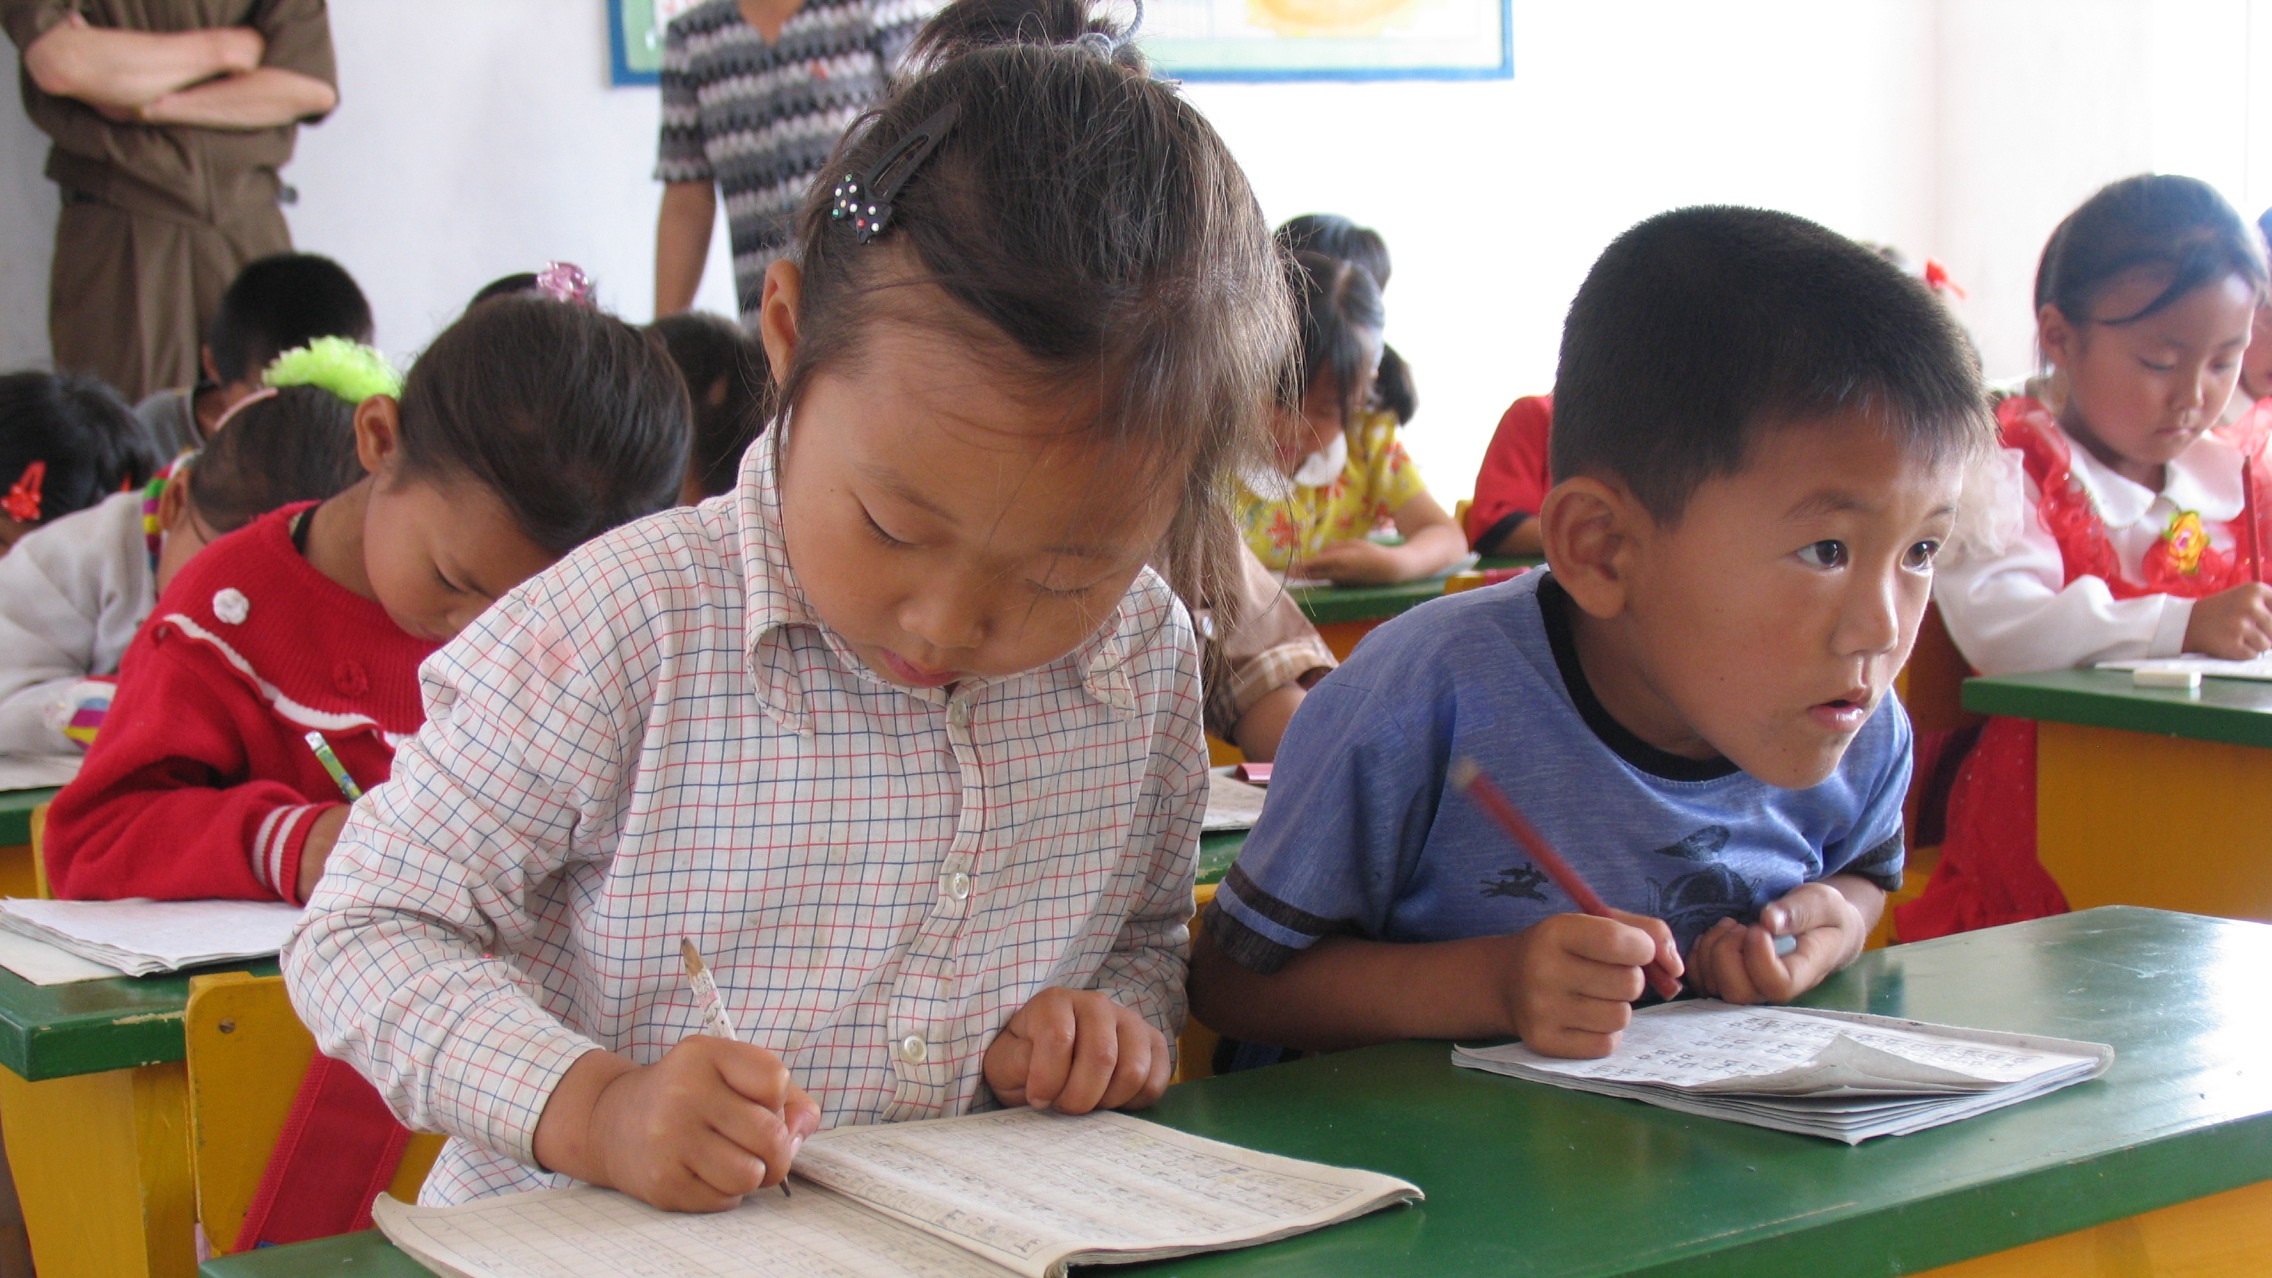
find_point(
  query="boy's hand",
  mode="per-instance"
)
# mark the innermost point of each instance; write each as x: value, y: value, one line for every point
x: 1737, y: 963
x: 1077, y: 1050
x: 323, y: 835
x: 1354, y: 563
x: 696, y: 1131
x: 1571, y: 984
x: 2234, y: 624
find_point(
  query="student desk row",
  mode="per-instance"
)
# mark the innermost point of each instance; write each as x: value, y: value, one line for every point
x: 93, y: 1101
x: 1345, y: 614
x: 2148, y: 796
x: 2160, y: 1166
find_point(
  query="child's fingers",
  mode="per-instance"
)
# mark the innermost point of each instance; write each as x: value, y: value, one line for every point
x: 1096, y: 1049
x: 758, y: 1132
x: 1050, y: 1031
x: 1009, y: 1062
x: 1132, y: 1068
x: 1607, y: 940
x: 754, y: 1073
x: 724, y: 1167
x: 801, y: 1116
x: 1804, y: 909
x: 1616, y: 982
x: 1668, y: 950
x: 1163, y: 1068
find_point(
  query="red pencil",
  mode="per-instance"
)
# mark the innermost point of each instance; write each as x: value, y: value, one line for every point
x: 1469, y: 780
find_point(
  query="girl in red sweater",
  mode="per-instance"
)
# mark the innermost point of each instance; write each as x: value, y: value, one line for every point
x: 530, y: 425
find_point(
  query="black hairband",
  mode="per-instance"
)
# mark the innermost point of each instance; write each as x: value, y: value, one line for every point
x: 866, y: 202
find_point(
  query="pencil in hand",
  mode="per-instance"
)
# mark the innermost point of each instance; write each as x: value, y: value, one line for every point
x: 1469, y: 780
x: 716, y: 1020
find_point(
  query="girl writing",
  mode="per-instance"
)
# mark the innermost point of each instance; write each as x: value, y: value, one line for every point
x: 1341, y: 471
x: 2116, y: 526
x: 902, y: 734
x: 527, y: 427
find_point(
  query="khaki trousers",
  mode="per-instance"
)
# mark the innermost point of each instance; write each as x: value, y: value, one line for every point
x: 131, y: 294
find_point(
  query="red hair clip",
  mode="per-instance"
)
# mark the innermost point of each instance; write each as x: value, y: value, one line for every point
x: 1937, y: 279
x: 22, y: 501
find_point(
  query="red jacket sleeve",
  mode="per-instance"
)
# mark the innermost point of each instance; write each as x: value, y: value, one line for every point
x: 1513, y: 481
x: 178, y: 798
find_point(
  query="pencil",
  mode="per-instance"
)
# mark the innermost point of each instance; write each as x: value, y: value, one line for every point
x: 1469, y: 780
x: 332, y: 766
x: 716, y: 1020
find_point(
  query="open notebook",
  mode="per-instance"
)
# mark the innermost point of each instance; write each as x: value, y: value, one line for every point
x: 141, y: 938
x: 1232, y: 804
x: 1010, y: 1192
x: 2259, y: 669
x: 1846, y: 1076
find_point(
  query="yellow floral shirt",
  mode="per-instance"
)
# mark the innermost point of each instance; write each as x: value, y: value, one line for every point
x: 1378, y: 479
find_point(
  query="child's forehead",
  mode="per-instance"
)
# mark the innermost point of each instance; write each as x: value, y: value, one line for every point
x: 1854, y: 459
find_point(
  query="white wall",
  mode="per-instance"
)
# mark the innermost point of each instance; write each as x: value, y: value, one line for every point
x: 480, y: 138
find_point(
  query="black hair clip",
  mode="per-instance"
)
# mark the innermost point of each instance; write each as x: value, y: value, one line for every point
x: 865, y: 203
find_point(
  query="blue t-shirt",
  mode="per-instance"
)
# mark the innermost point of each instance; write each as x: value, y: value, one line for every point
x: 1360, y: 835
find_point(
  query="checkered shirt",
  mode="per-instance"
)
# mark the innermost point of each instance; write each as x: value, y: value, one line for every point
x: 657, y: 739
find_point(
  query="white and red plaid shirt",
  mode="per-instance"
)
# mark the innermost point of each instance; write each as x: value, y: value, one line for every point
x: 657, y: 739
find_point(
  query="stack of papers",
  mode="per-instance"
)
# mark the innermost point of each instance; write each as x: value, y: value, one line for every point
x: 2207, y: 667
x: 142, y: 938
x: 1844, y: 1076
x: 1232, y: 804
x: 37, y: 771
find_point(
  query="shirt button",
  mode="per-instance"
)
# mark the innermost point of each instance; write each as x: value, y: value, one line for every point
x: 958, y: 886
x: 912, y: 1049
x: 959, y: 714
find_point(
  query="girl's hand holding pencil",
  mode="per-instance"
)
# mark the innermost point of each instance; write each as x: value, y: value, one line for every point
x: 713, y: 1121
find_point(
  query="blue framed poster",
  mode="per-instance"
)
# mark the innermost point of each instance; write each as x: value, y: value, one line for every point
x: 635, y: 37
x: 1263, y: 40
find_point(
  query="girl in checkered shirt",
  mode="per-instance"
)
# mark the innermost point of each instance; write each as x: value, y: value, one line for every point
x: 902, y: 732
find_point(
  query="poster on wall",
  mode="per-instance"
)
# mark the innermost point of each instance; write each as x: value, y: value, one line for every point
x: 635, y: 37
x: 1330, y: 39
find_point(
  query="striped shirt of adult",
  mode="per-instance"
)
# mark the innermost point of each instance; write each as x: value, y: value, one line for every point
x: 760, y: 118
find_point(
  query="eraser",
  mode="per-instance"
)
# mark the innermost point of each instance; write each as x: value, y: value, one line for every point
x: 1253, y: 773
x: 1784, y: 945
x: 2189, y: 680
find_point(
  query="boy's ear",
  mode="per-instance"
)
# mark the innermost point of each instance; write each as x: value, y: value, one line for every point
x: 173, y: 501
x: 1592, y: 532
x: 205, y: 362
x: 777, y: 316
x: 378, y: 434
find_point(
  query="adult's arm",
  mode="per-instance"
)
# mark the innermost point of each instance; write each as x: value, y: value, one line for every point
x: 128, y: 70
x: 260, y: 99
x: 682, y: 243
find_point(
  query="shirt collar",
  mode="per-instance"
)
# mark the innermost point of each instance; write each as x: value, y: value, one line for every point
x: 775, y: 603
x: 2204, y: 479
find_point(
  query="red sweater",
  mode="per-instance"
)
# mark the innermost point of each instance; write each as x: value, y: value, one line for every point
x: 202, y: 783
x: 1513, y: 481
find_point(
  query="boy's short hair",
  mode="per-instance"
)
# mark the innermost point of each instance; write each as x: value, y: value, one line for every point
x: 280, y: 302
x: 1699, y: 327
x: 718, y: 359
x: 87, y: 443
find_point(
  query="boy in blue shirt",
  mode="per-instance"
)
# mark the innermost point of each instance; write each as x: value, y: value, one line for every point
x: 1759, y: 432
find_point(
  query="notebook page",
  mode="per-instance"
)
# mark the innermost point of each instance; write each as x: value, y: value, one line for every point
x: 45, y: 964
x: 1033, y: 1189
x: 1232, y: 804
x: 597, y: 1233
x: 2259, y: 668
x: 1713, y: 1047
x: 154, y: 936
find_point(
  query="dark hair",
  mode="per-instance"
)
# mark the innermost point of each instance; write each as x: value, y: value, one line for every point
x: 92, y: 443
x: 1087, y: 214
x: 504, y: 286
x: 2178, y: 226
x: 295, y: 445
x: 575, y: 420
x: 718, y: 358
x: 1337, y: 236
x: 1338, y: 308
x: 281, y: 302
x: 1699, y: 327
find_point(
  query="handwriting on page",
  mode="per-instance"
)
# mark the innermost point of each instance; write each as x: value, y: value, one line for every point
x: 586, y: 1232
x: 1029, y: 1185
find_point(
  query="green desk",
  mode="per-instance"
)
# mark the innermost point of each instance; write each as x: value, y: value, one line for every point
x: 2154, y: 1163
x: 1344, y: 614
x: 94, y: 1105
x: 2148, y: 796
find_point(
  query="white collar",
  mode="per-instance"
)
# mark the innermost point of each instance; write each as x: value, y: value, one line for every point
x: 2204, y: 479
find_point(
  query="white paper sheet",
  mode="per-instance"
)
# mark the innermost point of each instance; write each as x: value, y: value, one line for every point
x: 2259, y: 669
x: 37, y: 771
x: 44, y: 964
x: 146, y: 937
x: 1232, y: 804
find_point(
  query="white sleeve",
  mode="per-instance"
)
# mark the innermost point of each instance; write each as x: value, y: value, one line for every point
x: 55, y: 588
x: 2007, y: 604
x: 530, y: 738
